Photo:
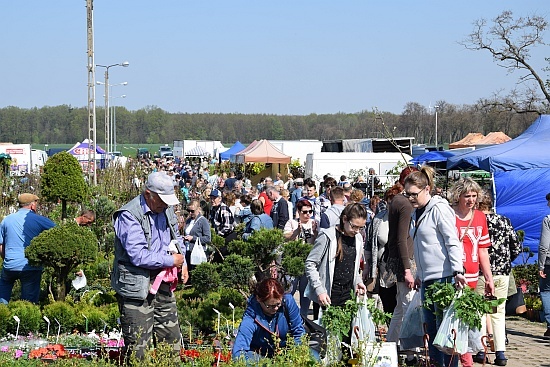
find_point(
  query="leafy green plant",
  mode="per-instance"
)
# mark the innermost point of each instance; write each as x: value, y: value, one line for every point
x: 236, y: 271
x: 29, y: 316
x: 206, y: 277
x: 64, y: 312
x: 63, y: 180
x: 379, y: 317
x: 5, y: 314
x: 261, y: 247
x: 62, y: 248
x: 337, y: 319
x: 294, y: 257
x: 470, y: 306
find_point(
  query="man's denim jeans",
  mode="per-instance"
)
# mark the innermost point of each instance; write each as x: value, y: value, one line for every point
x: 30, y: 284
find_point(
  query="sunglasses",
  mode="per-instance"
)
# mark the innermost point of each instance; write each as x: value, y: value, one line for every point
x: 413, y: 195
x: 306, y: 211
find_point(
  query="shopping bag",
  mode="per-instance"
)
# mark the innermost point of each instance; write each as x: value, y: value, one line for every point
x: 452, y: 335
x: 411, y: 334
x: 475, y: 344
x: 362, y: 326
x: 198, y: 256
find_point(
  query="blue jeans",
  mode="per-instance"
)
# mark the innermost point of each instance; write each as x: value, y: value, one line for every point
x: 544, y: 285
x: 30, y: 284
x: 432, y: 324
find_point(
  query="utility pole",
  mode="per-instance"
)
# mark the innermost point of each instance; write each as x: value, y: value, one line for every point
x: 92, y: 176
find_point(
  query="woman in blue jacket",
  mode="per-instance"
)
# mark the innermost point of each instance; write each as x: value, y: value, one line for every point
x: 264, y: 319
x: 258, y: 219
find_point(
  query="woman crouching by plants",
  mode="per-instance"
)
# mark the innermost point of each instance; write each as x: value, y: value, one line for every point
x: 271, y: 317
x: 332, y: 266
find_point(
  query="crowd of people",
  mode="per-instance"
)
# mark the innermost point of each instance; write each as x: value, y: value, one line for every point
x: 387, y: 248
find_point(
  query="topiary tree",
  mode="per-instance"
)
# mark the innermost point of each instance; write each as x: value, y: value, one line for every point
x: 63, y: 180
x: 63, y: 248
x: 236, y: 272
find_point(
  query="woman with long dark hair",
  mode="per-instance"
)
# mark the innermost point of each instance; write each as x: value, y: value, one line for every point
x: 332, y: 266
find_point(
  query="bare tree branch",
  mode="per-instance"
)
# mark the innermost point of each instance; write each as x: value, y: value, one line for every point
x: 510, y: 41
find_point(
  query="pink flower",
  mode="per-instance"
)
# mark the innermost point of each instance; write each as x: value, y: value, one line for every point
x: 4, y: 348
x: 18, y: 354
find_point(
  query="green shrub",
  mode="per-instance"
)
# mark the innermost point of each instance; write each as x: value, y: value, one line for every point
x: 205, y: 277
x: 62, y: 248
x: 5, y: 314
x: 29, y: 315
x: 64, y: 312
x: 236, y: 272
x: 96, y: 318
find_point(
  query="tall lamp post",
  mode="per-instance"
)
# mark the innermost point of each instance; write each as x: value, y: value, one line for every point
x: 436, y: 108
x: 109, y: 146
x: 114, y: 122
x: 107, y: 137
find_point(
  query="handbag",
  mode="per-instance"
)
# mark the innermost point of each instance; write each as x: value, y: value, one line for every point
x: 198, y: 256
x: 317, y: 335
x: 411, y: 334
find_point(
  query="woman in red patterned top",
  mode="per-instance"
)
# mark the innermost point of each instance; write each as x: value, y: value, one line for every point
x: 471, y: 225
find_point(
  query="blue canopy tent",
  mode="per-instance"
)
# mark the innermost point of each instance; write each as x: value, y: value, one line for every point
x: 235, y: 148
x: 435, y: 156
x: 520, y: 171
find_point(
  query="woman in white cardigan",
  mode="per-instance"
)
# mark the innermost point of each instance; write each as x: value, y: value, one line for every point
x: 332, y: 266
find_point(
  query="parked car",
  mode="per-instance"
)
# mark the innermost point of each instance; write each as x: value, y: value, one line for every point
x: 143, y: 153
x: 165, y: 151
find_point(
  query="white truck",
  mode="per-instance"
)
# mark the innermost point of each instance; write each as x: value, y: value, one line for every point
x: 337, y: 164
x: 24, y: 159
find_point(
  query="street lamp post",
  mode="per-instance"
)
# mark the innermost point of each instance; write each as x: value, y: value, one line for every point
x: 112, y: 138
x: 107, y: 137
x: 436, y: 108
x: 114, y: 122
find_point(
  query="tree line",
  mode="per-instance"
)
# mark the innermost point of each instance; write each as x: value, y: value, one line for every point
x: 65, y: 125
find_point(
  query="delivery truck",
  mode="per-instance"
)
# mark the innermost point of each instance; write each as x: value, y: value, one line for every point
x: 24, y: 159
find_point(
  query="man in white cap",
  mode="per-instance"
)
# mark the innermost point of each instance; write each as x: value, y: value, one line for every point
x: 16, y: 232
x: 147, y: 242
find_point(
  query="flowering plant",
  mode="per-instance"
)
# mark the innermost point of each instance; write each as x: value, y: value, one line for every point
x: 51, y: 351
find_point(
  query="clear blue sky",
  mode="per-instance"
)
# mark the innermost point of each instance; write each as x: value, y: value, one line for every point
x: 280, y: 57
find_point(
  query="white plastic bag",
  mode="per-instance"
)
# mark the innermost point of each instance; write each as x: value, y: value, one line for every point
x: 411, y: 334
x: 475, y: 344
x: 362, y: 326
x: 452, y: 335
x: 198, y: 256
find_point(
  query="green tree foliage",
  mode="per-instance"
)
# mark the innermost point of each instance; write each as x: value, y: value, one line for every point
x: 294, y: 257
x: 63, y: 248
x: 236, y: 272
x: 260, y: 247
x: 63, y: 180
x: 205, y: 277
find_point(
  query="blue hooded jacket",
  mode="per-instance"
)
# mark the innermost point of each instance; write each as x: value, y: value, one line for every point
x: 256, y: 333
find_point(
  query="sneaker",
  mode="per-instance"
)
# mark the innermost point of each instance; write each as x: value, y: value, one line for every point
x: 547, y: 333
